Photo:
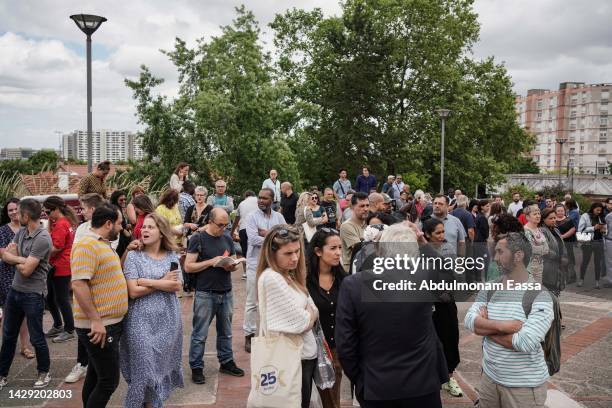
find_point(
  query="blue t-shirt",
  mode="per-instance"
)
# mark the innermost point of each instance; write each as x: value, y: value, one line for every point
x: 207, y: 247
x: 466, y: 218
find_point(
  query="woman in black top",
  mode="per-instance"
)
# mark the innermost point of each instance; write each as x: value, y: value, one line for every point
x: 325, y: 275
x: 479, y: 210
x: 568, y: 234
x: 444, y: 316
x: 553, y: 277
x: 196, y: 216
x: 118, y: 198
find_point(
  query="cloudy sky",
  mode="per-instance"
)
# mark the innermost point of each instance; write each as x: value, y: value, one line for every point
x: 42, y: 53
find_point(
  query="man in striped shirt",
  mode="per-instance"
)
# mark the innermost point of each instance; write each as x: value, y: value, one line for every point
x: 513, y: 364
x: 100, y: 303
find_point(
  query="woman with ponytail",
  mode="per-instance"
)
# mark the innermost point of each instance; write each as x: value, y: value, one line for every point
x: 63, y: 222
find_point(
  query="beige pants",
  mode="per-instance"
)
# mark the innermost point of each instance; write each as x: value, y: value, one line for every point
x: 494, y: 395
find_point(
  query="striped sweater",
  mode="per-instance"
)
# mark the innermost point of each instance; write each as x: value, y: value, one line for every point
x: 93, y: 260
x: 285, y: 309
x: 524, y: 365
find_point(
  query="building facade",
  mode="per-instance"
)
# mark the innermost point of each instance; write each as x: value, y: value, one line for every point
x: 14, y: 153
x: 571, y: 127
x: 106, y: 145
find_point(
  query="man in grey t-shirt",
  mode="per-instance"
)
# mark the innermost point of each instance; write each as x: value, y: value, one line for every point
x: 29, y: 252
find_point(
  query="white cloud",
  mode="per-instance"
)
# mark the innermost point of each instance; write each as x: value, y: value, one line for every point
x: 42, y: 68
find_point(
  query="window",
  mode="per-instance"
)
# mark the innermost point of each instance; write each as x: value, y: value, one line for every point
x: 539, y: 116
x: 572, y: 150
x: 603, y: 137
x: 603, y: 121
x: 605, y: 94
x: 573, y: 113
x: 539, y: 104
x: 581, y: 148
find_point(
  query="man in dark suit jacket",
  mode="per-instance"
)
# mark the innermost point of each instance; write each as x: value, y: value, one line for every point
x: 389, y: 350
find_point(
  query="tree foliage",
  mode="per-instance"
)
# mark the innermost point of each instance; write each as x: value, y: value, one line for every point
x: 360, y: 88
x: 228, y: 119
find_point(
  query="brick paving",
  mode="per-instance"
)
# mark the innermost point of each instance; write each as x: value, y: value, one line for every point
x: 586, y: 373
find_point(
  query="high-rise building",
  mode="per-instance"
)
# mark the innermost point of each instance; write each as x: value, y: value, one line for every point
x: 570, y: 125
x: 13, y: 153
x: 106, y: 145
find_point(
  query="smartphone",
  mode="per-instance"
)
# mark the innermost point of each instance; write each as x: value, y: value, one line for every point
x: 173, y: 266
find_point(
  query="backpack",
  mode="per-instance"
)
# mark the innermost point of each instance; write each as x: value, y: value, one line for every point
x: 552, y: 340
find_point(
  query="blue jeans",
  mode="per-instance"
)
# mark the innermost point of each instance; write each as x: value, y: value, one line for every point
x: 18, y: 306
x: 206, y: 306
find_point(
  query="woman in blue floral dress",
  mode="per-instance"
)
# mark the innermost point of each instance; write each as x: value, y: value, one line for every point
x: 9, y: 221
x: 151, y: 345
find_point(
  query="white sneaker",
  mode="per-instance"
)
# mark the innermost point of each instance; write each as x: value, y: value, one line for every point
x: 580, y: 283
x: 78, y: 372
x: 42, y: 381
x: 3, y: 382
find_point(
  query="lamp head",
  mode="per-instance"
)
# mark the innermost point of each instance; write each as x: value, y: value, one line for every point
x: 443, y: 113
x: 87, y: 23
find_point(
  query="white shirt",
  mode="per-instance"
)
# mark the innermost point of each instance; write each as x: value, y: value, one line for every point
x: 246, y: 207
x: 513, y: 208
x: 268, y: 183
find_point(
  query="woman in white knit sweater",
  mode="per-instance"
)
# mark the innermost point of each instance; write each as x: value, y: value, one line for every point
x: 281, y: 284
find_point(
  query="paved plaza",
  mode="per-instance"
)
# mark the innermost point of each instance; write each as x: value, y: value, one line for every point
x: 585, y: 379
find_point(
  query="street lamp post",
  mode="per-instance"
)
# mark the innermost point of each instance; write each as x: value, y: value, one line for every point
x: 560, y: 140
x: 88, y: 23
x: 443, y: 113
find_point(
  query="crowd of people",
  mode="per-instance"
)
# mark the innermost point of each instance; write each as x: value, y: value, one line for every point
x: 111, y: 279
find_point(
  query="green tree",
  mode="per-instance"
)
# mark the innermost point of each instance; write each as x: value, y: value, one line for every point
x: 228, y: 120
x: 44, y: 160
x: 364, y: 87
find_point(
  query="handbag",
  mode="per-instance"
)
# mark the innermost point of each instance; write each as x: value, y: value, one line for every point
x: 584, y: 236
x: 276, y: 366
x: 324, y: 375
x: 308, y: 230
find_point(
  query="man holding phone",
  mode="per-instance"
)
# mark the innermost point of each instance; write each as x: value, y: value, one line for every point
x: 213, y: 294
x: 100, y: 303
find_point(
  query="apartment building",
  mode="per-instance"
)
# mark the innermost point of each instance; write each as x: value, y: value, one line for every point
x: 106, y: 145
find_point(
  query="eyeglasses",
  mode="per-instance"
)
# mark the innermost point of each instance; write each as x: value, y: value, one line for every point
x: 221, y: 225
x: 328, y: 230
x: 379, y: 227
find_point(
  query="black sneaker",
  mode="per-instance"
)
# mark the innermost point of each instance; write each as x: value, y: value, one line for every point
x: 247, y: 342
x: 231, y: 369
x: 197, y: 376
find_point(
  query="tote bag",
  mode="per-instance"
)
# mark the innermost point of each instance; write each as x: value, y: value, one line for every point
x: 276, y: 366
x: 308, y: 230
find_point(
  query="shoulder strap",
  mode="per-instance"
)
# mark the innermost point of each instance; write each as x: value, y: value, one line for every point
x: 341, y: 188
x: 528, y: 298
x: 263, y: 323
x: 490, y: 293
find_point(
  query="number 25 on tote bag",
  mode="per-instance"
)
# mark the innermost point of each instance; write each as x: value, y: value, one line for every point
x: 276, y: 367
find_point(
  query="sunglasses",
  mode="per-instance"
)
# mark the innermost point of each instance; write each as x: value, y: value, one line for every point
x: 284, y: 233
x: 314, y: 198
x: 328, y: 230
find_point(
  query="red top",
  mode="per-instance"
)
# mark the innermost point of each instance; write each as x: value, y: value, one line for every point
x: 138, y: 227
x: 62, y: 235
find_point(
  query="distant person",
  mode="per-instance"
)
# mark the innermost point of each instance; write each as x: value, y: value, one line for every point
x: 221, y: 199
x: 351, y: 231
x: 516, y: 204
x: 275, y: 185
x: 181, y: 173
x: 130, y: 210
x: 119, y: 199
x: 29, y: 252
x: 245, y: 208
x: 95, y: 182
x: 288, y: 202
x: 186, y: 197
x: 592, y: 222
x: 366, y: 182
x: 331, y: 208
x: 144, y: 207
x: 169, y: 209
x: 342, y: 185
x: 196, y: 216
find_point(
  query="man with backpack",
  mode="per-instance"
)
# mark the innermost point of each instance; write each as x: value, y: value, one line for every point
x: 520, y: 351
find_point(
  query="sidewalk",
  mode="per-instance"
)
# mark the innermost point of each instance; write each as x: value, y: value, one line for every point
x: 585, y: 376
